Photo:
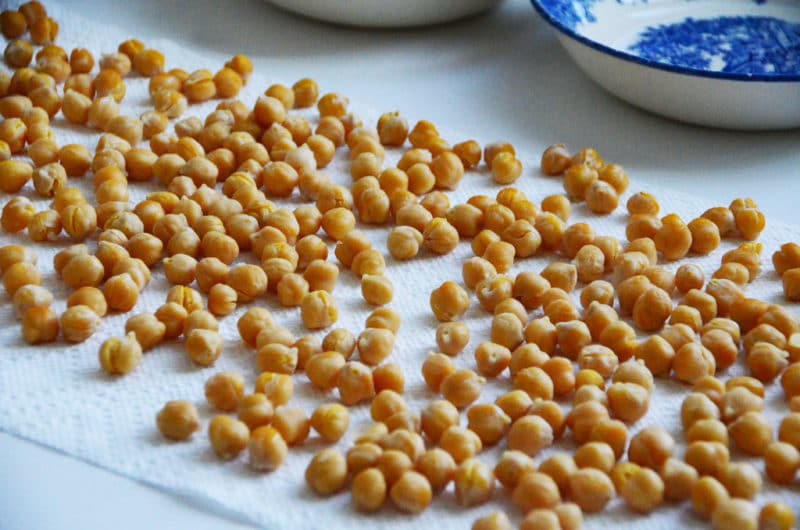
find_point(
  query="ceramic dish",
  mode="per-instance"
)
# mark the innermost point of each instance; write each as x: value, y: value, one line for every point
x: 386, y: 13
x: 721, y: 63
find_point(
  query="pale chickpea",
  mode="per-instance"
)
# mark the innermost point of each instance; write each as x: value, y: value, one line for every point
x: 411, y: 492
x: 178, y: 420
x: 452, y: 337
x: 228, y: 437
x: 530, y: 434
x: 776, y: 516
x: 591, y: 489
x: 535, y: 491
x: 462, y: 387
x: 474, y: 482
x: 266, y: 449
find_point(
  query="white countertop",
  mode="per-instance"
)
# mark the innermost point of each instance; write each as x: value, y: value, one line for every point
x: 501, y: 76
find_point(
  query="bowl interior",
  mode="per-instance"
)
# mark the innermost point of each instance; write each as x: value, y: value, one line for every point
x: 746, y: 39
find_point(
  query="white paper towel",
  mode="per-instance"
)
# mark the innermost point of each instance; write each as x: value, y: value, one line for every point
x: 57, y: 395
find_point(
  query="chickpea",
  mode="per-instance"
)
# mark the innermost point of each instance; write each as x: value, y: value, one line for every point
x: 224, y: 390
x: 572, y: 337
x: 643, y: 491
x: 411, y: 492
x: 707, y: 495
x: 708, y: 458
x: 266, y: 448
x: 742, y: 480
x: 781, y: 462
x: 530, y: 434
x: 591, y: 489
x: 452, y: 337
x: 474, y: 482
x: 40, y: 325
x: 790, y: 381
x: 120, y: 356
x: 318, y: 310
x: 488, y: 421
x: 178, y: 420
x: 255, y: 410
x: 439, y: 236
x: 634, y: 371
x: 776, y: 516
x: 17, y: 274
x: 462, y: 387
x: 228, y: 437
x: 535, y: 491
x: 449, y: 302
x: 323, y: 368
x: 628, y: 401
x: 493, y: 521
x: 723, y: 218
x: 29, y: 296
x: 17, y: 212
x: 584, y: 417
x: 578, y: 178
x: 601, y: 197
x: 697, y: 407
x: 436, y: 418
x: 598, y: 317
x: 506, y: 168
x: 679, y: 479
x: 476, y: 270
x: 735, y: 513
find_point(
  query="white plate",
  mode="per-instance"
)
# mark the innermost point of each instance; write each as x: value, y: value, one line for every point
x: 386, y: 13
x: 721, y: 63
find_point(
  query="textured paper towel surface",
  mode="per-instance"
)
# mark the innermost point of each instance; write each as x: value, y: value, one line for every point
x: 57, y: 395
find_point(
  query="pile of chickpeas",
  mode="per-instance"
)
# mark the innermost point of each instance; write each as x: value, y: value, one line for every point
x: 220, y: 177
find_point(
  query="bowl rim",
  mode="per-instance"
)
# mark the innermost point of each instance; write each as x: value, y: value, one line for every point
x: 629, y: 57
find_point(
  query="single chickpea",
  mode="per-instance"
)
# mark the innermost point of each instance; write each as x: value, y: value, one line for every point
x: 266, y: 449
x: 29, y: 296
x: 462, y: 387
x: 178, y: 420
x: 203, y: 346
x: 439, y: 236
x: 411, y: 492
x: 323, y: 369
x: 19, y: 274
x: 555, y: 159
x: 534, y: 491
x: 452, y: 337
x: 16, y: 214
x: 255, y: 410
x: 224, y: 390
x: 375, y: 345
x: 40, y: 325
x: 578, y: 179
x: 474, y: 482
x: 120, y: 356
x: 781, y: 462
x: 376, y: 289
x: 228, y: 437
x: 147, y: 329
x: 449, y: 302
x: 572, y: 337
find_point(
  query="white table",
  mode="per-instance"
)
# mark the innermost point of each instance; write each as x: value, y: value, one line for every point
x: 497, y: 76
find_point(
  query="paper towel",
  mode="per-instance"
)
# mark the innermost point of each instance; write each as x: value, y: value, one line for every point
x: 57, y: 395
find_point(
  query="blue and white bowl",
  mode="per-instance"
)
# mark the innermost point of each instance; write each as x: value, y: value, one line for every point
x: 721, y: 63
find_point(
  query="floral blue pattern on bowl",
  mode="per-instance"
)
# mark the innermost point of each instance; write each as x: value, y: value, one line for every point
x: 745, y: 45
x: 750, y: 40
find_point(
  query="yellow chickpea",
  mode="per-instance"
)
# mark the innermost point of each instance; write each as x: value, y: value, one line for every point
x: 178, y: 420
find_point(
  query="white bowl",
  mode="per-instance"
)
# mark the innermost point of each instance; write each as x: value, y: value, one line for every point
x: 386, y: 13
x: 721, y: 63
